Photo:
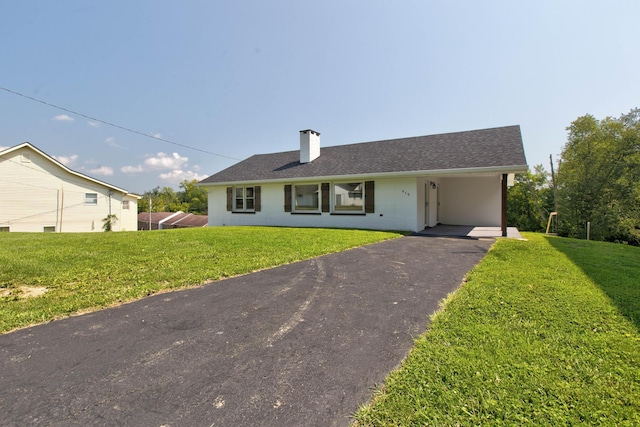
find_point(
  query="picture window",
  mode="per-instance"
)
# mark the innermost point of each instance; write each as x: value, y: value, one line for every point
x: 306, y: 197
x: 348, y: 197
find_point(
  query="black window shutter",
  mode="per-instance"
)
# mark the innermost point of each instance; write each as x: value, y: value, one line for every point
x: 257, y: 205
x: 369, y: 197
x: 325, y: 197
x: 229, y: 199
x: 287, y: 198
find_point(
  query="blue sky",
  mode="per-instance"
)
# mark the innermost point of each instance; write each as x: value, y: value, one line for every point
x: 241, y: 78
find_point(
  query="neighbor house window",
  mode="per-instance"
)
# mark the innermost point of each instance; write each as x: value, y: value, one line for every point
x: 348, y: 197
x: 90, y: 198
x: 125, y: 205
x: 306, y: 197
x: 4, y: 229
x: 49, y: 229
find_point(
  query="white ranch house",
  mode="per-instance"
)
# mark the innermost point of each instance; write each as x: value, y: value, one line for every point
x: 38, y: 194
x: 399, y: 184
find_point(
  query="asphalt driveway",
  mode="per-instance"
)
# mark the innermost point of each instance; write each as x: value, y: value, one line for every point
x: 301, y: 344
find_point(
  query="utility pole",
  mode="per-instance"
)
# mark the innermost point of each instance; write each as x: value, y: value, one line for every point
x: 149, y: 212
x: 555, y: 198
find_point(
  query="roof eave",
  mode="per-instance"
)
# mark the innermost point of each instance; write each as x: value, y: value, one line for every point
x: 65, y: 168
x: 399, y: 174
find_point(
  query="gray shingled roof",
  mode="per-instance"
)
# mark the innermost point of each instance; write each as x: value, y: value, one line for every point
x: 485, y: 148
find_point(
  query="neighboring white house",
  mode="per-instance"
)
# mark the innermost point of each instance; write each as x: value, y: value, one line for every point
x: 400, y: 184
x: 38, y: 193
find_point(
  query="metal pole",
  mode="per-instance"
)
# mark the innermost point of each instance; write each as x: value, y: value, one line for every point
x: 149, y: 213
x: 555, y: 198
x: 588, y: 229
x: 503, y: 220
x: 61, y: 205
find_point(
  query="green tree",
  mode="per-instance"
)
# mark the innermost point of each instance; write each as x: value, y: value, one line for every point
x: 599, y: 179
x: 191, y: 198
x: 530, y: 200
x: 162, y: 200
x: 107, y: 222
x: 194, y: 197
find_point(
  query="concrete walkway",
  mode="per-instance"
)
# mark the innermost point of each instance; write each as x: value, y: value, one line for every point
x: 298, y: 345
x: 442, y: 230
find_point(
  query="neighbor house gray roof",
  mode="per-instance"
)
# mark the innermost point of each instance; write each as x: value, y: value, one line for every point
x: 495, y: 148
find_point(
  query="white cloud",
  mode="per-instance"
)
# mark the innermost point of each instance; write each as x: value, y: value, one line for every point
x: 177, y: 175
x: 157, y: 135
x: 2, y: 147
x: 102, y: 170
x: 158, y: 162
x: 174, y: 163
x: 112, y: 142
x: 132, y: 169
x: 67, y: 160
x: 94, y: 124
x: 165, y: 161
x: 63, y: 118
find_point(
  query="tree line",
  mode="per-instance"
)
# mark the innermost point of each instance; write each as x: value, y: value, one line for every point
x: 596, y: 188
x: 190, y: 198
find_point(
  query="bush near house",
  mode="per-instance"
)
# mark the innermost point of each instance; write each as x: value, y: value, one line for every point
x: 544, y: 332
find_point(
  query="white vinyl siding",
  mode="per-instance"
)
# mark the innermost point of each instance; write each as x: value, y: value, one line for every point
x: 43, y: 194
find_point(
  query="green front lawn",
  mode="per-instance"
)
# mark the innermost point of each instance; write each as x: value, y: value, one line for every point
x: 87, y: 271
x: 544, y: 332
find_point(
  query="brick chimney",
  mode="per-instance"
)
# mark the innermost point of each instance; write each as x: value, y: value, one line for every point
x: 309, y: 145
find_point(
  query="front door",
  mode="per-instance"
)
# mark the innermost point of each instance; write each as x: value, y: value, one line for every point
x: 431, y: 202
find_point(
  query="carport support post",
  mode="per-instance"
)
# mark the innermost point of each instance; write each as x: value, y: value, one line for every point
x: 504, y: 205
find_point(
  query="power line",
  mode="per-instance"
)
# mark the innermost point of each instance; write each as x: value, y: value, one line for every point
x: 115, y: 125
x: 63, y: 208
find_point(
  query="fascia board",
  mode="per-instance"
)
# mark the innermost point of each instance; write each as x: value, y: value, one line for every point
x: 402, y: 174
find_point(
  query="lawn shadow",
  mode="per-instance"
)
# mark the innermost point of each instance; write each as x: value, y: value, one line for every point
x: 615, y: 268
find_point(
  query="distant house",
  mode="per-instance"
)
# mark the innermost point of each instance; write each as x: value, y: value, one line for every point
x: 399, y: 184
x: 38, y: 193
x: 167, y: 220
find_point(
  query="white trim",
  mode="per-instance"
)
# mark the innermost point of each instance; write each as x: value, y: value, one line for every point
x: 294, y: 198
x: 365, y: 176
x: 245, y: 198
x: 167, y: 219
x: 333, y: 196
